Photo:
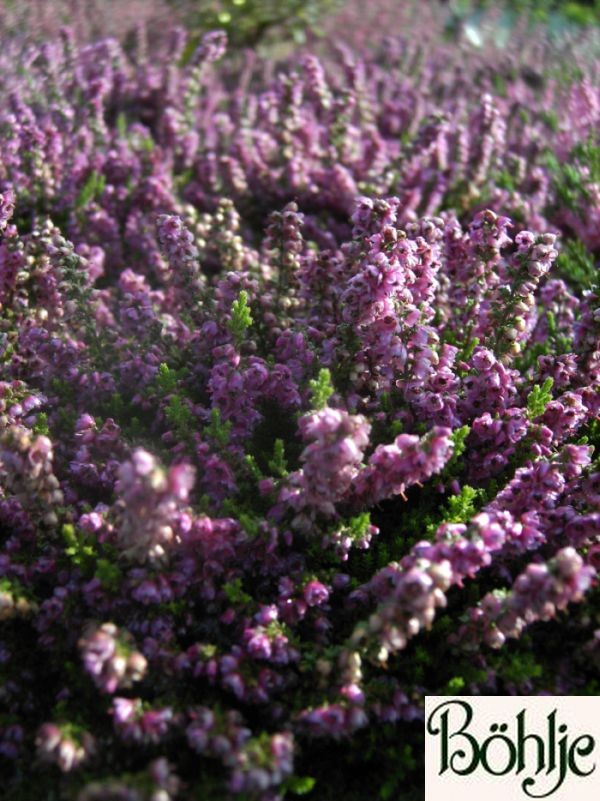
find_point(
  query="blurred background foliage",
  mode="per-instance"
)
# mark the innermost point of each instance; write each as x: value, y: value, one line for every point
x: 253, y: 23
x: 558, y: 16
x: 583, y: 12
x: 250, y: 22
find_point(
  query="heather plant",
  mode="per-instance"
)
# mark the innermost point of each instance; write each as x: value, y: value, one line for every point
x: 299, y: 409
x: 38, y: 20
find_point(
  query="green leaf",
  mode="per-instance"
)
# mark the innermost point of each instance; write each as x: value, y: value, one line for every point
x: 249, y: 523
x: 278, y: 464
x: 300, y: 785
x: 469, y: 349
x: 166, y: 379
x: 122, y: 125
x: 179, y: 416
x: 539, y: 398
x: 93, y: 188
x: 321, y: 389
x: 235, y: 594
x: 253, y: 467
x: 463, y: 506
x: 396, y: 428
x: 241, y: 318
x: 41, y: 424
x: 358, y: 526
x: 459, y: 439
x: 456, y: 684
x: 68, y: 532
x: 79, y: 551
x: 108, y: 574
x: 576, y: 265
x: 217, y: 429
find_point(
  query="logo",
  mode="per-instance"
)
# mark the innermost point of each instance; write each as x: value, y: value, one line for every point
x: 512, y: 748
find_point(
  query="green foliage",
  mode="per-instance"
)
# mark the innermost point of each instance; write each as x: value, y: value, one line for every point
x: 469, y: 349
x: 67, y: 419
x: 357, y: 527
x: 115, y: 407
x: 455, y: 685
x: 539, y: 398
x: 253, y: 467
x: 241, y: 318
x: 180, y: 417
x: 464, y: 506
x: 122, y: 125
x: 591, y: 436
x: 588, y: 154
x: 71, y: 729
x: 386, y: 401
x: 249, y: 522
x: 396, y: 428
x: 550, y: 118
x: 248, y: 22
x: 517, y: 664
x: 576, y: 265
x: 109, y: 575
x: 92, y: 189
x: 559, y: 14
x: 278, y: 464
x: 80, y: 552
x: 217, y: 429
x: 177, y: 411
x: 414, y: 522
x: 459, y: 439
x: 505, y: 180
x: 321, y: 389
x: 41, y: 425
x: 15, y: 589
x: 574, y: 177
x: 402, y: 761
x: 235, y: 594
x: 247, y: 519
x: 167, y: 378
x: 299, y: 785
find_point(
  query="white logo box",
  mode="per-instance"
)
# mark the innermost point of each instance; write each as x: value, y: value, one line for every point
x: 512, y: 748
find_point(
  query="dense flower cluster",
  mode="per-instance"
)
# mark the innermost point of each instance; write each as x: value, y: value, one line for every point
x: 299, y: 406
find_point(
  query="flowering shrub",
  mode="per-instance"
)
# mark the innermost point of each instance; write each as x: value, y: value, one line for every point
x: 299, y: 411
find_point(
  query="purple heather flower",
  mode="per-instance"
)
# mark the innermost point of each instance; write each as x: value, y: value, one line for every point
x: 336, y: 442
x: 177, y: 243
x: 7, y: 207
x: 212, y: 47
x: 109, y: 657
x: 315, y: 593
x: 329, y: 190
x: 55, y: 746
x: 409, y: 460
x: 151, y: 498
